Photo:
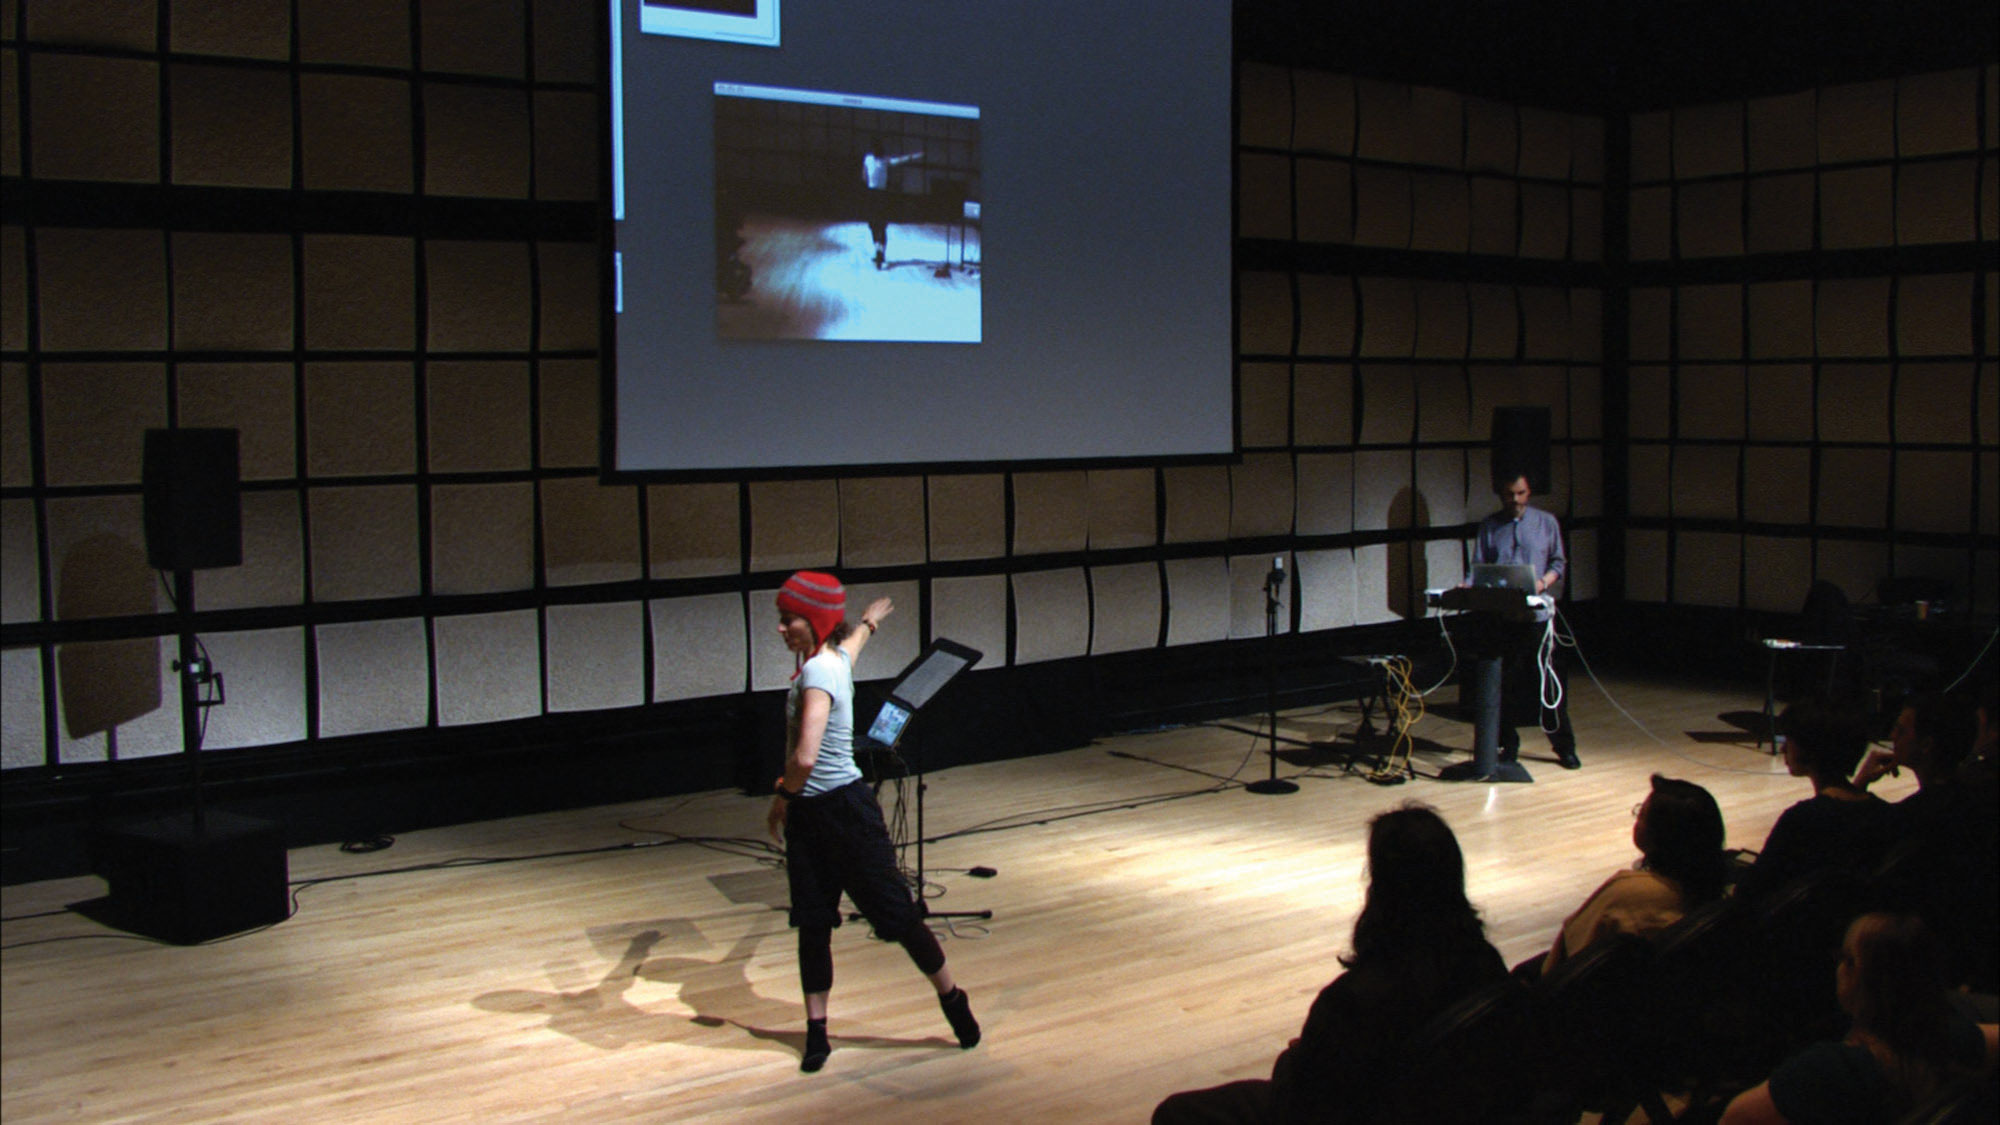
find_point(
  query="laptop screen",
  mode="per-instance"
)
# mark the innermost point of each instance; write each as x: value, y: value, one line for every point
x: 889, y: 722
x: 1504, y: 576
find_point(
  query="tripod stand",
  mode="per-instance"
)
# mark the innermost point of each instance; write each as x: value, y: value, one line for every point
x: 923, y: 904
x: 1273, y: 583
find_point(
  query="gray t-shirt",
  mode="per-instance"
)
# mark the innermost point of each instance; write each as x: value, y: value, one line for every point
x: 829, y: 671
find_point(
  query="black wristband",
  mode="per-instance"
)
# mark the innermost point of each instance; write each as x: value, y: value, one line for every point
x: 784, y: 793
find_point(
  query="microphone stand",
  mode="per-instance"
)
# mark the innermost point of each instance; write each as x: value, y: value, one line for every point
x: 1273, y: 583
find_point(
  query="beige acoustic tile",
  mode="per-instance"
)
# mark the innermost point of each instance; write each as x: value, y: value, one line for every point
x: 1782, y: 131
x: 20, y: 563
x: 1437, y: 128
x: 1853, y: 565
x: 1264, y: 314
x: 1325, y: 493
x: 1123, y: 509
x: 360, y: 292
x: 475, y: 141
x: 477, y: 415
x: 1780, y: 323
x: 373, y: 676
x: 116, y: 701
x: 1708, y: 140
x: 1051, y: 615
x: 1650, y: 493
x: 1781, y: 212
x: 360, y: 419
x: 1548, y: 388
x: 1586, y: 224
x: 475, y: 37
x: 1931, y: 492
x: 1779, y: 573
x: 1388, y: 316
x: 1781, y: 402
x: 1645, y: 565
x: 1711, y: 401
x: 1586, y: 396
x: 1326, y: 315
x: 1496, y: 222
x: 1325, y: 190
x: 363, y: 542
x: 1381, y: 583
x: 1382, y: 206
x: 231, y: 126
x: 482, y: 537
x: 1383, y: 489
x: 1441, y: 212
x: 1649, y: 235
x: 94, y: 118
x: 1704, y: 482
x: 1125, y: 608
x: 1711, y: 219
x: 1587, y: 148
x: 257, y: 400
x: 1263, y: 404
x: 13, y: 287
x: 694, y: 530
x: 968, y: 517
x: 1545, y: 324
x: 1857, y: 208
x: 273, y: 568
x: 1051, y: 512
x: 699, y: 646
x: 1443, y: 403
x: 972, y: 611
x: 1586, y: 486
x: 1853, y: 488
x: 596, y: 656
x: 1388, y: 405
x: 1197, y: 503
x: 1710, y: 322
x: 1263, y: 105
x: 17, y: 456
x: 480, y: 296
x: 1777, y: 484
x: 1934, y: 314
x: 1546, y: 137
x: 1853, y: 402
x: 97, y: 558
x: 590, y: 532
x: 1442, y: 498
x: 1857, y: 121
x: 1652, y: 142
x: 1263, y: 195
x: 1852, y: 317
x: 1443, y: 563
x: 1382, y: 119
x: 568, y: 391
x: 1937, y: 112
x: 1496, y: 332
x: 355, y: 133
x: 565, y: 152
x: 1323, y: 404
x: 1325, y: 588
x: 255, y: 29
x: 1586, y: 323
x: 1444, y: 320
x: 264, y: 671
x: 566, y: 275
x: 24, y: 736
x: 1198, y: 600
x: 489, y: 667
x: 232, y: 292
x: 1261, y: 495
x: 881, y: 521
x: 1937, y: 202
x: 565, y: 42
x: 794, y: 525
x: 95, y: 417
x: 1492, y: 137
x: 101, y: 290
x: 1708, y: 569
x: 366, y: 32
x: 1545, y: 222
x: 1324, y: 112
x: 1935, y: 403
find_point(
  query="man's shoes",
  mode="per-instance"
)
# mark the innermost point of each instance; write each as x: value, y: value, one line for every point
x: 1567, y: 756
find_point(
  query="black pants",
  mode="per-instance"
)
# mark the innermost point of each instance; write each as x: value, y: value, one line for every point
x: 836, y: 843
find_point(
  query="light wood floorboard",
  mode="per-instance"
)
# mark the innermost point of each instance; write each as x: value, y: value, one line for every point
x: 1155, y: 945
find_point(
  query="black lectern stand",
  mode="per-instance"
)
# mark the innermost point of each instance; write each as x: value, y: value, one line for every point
x: 1493, y: 615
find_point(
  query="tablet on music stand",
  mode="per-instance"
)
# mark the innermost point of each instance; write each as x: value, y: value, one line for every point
x: 922, y: 680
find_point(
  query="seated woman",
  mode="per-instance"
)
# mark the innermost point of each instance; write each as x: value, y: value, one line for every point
x: 1841, y: 825
x: 1419, y: 946
x: 1907, y: 1043
x: 1678, y: 831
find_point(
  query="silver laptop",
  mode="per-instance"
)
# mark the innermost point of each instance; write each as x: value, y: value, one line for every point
x: 1504, y: 576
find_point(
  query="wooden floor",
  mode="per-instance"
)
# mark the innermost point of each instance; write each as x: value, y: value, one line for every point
x: 1151, y: 932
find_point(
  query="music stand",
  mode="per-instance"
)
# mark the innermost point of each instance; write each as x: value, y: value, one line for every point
x: 917, y: 685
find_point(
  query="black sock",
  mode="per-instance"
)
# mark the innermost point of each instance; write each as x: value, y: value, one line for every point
x: 958, y: 1009
x: 817, y: 1048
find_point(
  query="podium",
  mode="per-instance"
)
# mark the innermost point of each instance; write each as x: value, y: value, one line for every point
x: 1495, y: 612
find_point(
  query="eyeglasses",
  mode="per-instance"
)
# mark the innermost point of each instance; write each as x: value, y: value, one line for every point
x: 1638, y: 808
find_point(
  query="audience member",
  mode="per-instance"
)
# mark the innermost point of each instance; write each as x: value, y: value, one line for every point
x: 1841, y: 825
x: 1678, y: 831
x: 1932, y: 737
x: 1418, y: 947
x: 1906, y: 1045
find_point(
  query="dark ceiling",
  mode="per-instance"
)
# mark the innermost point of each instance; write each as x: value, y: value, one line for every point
x: 1609, y: 55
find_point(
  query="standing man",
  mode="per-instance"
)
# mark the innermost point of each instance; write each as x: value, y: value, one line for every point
x: 875, y: 192
x: 1520, y: 533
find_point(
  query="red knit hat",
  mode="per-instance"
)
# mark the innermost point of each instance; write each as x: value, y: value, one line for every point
x: 818, y: 598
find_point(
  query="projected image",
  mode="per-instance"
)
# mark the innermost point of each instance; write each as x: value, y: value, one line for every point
x: 726, y: 21
x: 843, y: 217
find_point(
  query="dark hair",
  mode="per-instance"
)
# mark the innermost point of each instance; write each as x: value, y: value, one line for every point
x: 1416, y: 901
x: 1950, y: 723
x: 1898, y: 994
x: 1829, y: 738
x: 1683, y: 838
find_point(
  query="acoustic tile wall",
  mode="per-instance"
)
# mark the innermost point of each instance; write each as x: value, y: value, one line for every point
x: 1813, y: 342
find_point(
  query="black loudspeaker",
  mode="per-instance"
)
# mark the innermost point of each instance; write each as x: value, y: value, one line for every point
x: 194, y: 510
x: 186, y: 882
x: 1521, y: 446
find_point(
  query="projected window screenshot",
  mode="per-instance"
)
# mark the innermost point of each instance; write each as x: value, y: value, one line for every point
x: 845, y: 217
